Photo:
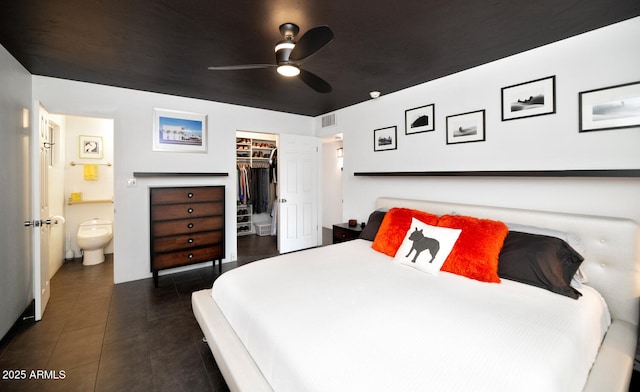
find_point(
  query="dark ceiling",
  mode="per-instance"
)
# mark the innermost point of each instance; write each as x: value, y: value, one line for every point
x: 165, y: 46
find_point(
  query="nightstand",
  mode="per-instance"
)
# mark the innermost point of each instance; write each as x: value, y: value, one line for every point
x: 343, y: 232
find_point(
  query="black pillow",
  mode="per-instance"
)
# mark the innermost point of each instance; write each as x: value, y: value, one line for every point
x: 373, y: 224
x: 540, y: 261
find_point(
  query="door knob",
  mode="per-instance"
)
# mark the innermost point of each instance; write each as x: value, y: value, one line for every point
x: 283, y: 200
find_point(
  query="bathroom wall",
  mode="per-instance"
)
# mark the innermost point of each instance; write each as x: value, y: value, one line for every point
x: 98, y: 190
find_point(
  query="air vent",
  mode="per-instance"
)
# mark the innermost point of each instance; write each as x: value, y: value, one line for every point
x: 329, y: 120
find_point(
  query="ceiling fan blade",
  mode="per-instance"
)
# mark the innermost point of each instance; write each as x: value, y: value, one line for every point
x: 314, y: 81
x: 240, y: 67
x: 311, y: 42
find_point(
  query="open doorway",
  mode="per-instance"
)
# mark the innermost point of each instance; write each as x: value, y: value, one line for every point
x: 257, y: 195
x: 82, y: 183
x: 332, y: 163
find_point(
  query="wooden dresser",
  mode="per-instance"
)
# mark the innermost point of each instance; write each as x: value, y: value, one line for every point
x: 187, y: 227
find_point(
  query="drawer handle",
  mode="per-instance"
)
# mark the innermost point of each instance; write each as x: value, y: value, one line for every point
x: 190, y: 225
x: 190, y: 240
x: 190, y: 255
x: 190, y: 195
x: 190, y: 210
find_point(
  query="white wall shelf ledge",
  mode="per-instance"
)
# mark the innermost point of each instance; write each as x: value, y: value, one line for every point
x: 508, y: 173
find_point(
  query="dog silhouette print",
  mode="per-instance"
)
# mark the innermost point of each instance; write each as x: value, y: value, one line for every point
x: 420, y: 243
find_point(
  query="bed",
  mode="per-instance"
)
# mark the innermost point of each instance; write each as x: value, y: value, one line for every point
x: 347, y: 317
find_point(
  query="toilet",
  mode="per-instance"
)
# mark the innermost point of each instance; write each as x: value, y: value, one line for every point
x: 93, y: 236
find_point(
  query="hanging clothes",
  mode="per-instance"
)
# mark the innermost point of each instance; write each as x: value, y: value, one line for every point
x: 259, y: 188
x: 243, y: 183
x: 273, y: 166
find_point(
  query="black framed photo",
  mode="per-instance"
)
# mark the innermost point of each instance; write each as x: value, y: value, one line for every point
x: 529, y: 99
x: 385, y: 138
x: 466, y: 127
x: 420, y: 119
x: 610, y: 107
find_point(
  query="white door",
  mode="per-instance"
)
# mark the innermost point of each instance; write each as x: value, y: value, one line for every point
x: 41, y: 148
x: 298, y: 192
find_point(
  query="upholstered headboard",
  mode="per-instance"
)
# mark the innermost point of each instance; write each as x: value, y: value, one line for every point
x: 612, y: 255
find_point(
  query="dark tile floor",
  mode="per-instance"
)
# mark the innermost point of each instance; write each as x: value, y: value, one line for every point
x: 125, y: 337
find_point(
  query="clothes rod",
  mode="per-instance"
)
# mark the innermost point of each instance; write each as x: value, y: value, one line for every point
x: 79, y: 163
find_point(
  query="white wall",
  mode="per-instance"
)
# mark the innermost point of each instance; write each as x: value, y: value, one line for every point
x: 331, y: 184
x: 600, y: 58
x: 100, y: 189
x: 132, y: 112
x: 16, y: 272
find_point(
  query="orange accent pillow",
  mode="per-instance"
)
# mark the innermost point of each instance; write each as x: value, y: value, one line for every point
x: 475, y: 254
x: 394, y: 227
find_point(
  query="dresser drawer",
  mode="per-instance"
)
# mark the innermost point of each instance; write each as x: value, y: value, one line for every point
x: 185, y: 241
x: 186, y: 195
x: 186, y: 226
x: 185, y: 211
x: 184, y: 257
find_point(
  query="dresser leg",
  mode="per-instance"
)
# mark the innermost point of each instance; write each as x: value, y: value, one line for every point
x: 155, y: 278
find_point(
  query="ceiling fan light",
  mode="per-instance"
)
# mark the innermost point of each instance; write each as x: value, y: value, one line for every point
x: 288, y: 70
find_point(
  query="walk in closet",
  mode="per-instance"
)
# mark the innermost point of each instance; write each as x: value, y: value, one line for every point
x: 256, y: 183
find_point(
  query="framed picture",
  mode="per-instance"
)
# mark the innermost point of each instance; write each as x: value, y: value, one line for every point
x: 534, y: 98
x: 179, y: 131
x: 385, y: 138
x: 90, y: 147
x: 610, y: 107
x: 466, y: 127
x: 421, y: 119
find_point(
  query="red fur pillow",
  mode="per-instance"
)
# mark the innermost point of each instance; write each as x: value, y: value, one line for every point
x: 394, y: 227
x: 475, y: 254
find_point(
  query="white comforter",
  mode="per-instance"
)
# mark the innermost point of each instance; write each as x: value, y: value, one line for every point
x: 347, y: 318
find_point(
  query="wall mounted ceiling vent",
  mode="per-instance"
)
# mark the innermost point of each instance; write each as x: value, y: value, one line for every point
x: 329, y: 120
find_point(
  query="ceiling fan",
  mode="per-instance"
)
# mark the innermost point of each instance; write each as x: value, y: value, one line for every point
x: 290, y: 55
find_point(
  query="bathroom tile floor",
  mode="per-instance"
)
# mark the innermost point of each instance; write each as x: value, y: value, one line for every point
x: 125, y: 337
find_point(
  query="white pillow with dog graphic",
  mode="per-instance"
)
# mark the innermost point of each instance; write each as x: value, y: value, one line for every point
x: 426, y: 247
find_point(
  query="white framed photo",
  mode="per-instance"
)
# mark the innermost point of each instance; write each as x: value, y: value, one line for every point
x: 179, y: 131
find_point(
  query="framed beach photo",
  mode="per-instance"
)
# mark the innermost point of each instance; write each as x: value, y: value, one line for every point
x: 529, y: 99
x: 385, y: 138
x: 179, y: 131
x: 610, y: 107
x: 420, y: 119
x: 466, y: 127
x: 90, y: 147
